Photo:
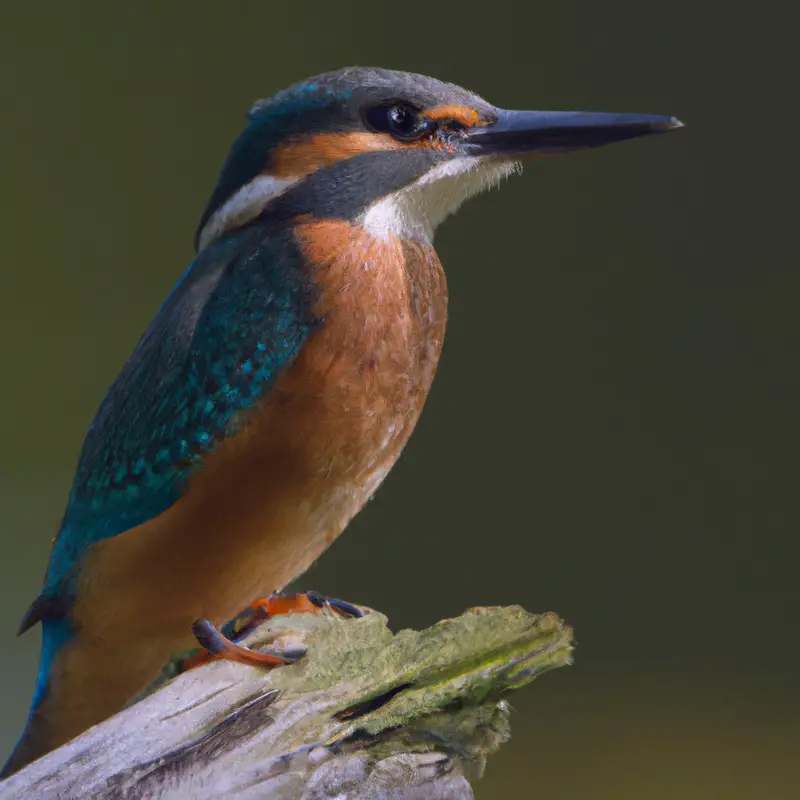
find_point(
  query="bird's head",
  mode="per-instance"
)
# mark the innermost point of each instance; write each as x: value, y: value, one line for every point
x: 393, y: 151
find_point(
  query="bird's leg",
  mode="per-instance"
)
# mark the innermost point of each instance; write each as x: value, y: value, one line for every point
x: 300, y: 603
x: 218, y: 644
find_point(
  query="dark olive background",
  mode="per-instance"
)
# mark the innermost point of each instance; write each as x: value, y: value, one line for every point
x: 613, y: 431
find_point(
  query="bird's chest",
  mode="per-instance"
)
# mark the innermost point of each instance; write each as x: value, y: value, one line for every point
x: 336, y: 421
x: 359, y: 385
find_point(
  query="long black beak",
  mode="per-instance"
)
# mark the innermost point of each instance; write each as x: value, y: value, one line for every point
x: 520, y: 132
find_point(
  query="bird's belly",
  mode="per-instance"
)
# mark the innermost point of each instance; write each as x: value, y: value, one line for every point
x: 260, y: 511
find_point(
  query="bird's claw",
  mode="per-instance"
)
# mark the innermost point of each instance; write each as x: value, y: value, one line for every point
x: 277, y: 604
x: 219, y: 646
x: 340, y: 607
x: 222, y: 644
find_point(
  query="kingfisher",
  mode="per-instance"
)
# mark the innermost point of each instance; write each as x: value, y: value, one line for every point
x: 279, y: 381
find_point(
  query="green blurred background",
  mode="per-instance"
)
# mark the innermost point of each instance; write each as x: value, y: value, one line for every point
x: 613, y: 431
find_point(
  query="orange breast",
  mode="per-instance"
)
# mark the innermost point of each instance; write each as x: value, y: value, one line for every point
x: 268, y: 501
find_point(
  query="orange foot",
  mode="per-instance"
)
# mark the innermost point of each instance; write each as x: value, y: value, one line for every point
x: 218, y: 646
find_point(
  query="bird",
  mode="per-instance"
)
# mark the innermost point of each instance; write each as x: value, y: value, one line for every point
x: 279, y: 381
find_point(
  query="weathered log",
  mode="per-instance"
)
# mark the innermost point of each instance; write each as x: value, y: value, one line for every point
x: 366, y: 714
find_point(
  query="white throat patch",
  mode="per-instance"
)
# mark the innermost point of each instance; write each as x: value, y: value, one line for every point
x: 415, y: 211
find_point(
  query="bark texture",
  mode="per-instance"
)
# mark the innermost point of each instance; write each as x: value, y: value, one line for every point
x: 366, y: 714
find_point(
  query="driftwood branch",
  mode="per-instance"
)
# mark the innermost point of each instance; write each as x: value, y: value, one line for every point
x: 367, y: 714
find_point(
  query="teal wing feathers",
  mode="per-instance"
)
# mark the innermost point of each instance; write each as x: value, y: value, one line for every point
x: 234, y: 321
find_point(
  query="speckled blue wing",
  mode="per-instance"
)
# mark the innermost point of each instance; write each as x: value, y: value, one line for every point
x: 231, y: 325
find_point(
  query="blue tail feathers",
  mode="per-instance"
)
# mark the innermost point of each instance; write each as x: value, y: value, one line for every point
x: 55, y: 632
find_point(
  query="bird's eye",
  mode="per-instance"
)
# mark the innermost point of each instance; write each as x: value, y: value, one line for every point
x: 402, y: 121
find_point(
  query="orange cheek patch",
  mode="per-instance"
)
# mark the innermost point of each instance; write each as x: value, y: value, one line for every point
x: 300, y: 158
x: 463, y: 114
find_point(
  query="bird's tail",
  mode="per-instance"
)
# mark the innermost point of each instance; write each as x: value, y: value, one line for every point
x: 30, y: 746
x: 36, y: 738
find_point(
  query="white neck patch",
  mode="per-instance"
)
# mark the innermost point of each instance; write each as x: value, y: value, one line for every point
x: 243, y: 207
x: 415, y: 211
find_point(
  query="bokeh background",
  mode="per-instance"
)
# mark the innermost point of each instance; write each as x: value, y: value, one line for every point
x: 613, y: 432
